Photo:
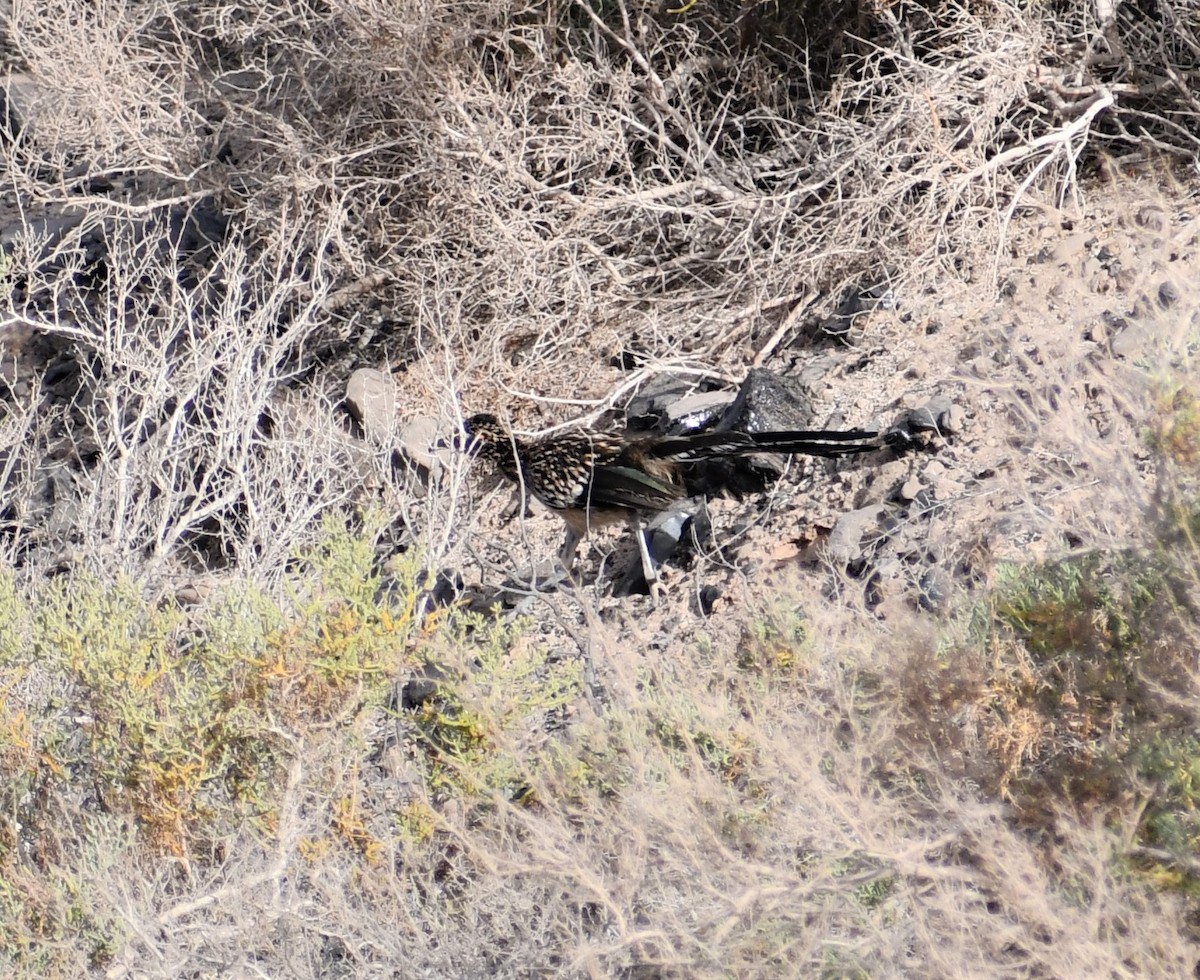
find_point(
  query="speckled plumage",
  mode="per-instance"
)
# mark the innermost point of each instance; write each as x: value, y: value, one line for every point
x: 596, y: 478
x: 579, y: 469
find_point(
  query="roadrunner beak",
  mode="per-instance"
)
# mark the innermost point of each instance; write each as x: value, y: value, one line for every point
x: 459, y: 442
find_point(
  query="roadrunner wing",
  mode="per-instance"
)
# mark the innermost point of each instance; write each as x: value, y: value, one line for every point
x: 614, y: 485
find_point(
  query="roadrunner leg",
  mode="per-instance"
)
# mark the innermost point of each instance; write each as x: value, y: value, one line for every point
x: 575, y: 534
x: 648, y: 569
x: 566, y: 554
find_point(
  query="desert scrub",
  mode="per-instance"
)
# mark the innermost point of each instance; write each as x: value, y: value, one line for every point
x: 1070, y: 687
x: 1168, y: 770
x: 185, y: 729
x: 484, y: 729
x: 1174, y: 431
x: 1093, y: 698
x: 774, y: 641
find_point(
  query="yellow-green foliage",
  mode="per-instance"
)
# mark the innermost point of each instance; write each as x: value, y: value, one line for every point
x: 1094, y: 663
x: 1091, y: 607
x: 1169, y: 767
x: 147, y: 710
x: 479, y: 727
x: 772, y: 641
x: 1175, y: 429
x: 181, y: 725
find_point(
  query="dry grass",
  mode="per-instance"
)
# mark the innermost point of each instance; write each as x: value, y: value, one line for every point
x: 217, y: 211
x: 495, y: 198
x: 798, y: 808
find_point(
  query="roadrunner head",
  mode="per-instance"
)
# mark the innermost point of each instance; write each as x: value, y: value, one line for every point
x: 488, y: 438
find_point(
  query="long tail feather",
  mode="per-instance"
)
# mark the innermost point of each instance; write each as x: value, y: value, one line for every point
x: 814, y: 442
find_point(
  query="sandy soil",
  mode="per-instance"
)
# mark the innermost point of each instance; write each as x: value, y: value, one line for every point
x: 1049, y: 386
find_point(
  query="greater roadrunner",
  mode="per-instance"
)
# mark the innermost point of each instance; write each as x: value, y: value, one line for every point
x: 598, y: 478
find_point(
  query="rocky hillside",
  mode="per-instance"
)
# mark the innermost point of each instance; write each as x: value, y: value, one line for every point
x: 293, y: 686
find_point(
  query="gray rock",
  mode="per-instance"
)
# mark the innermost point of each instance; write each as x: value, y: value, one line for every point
x: 768, y: 402
x: 21, y: 97
x: 816, y: 371
x: 924, y: 504
x: 845, y: 540
x: 667, y: 534
x: 939, y: 416
x: 934, y: 591
x: 887, y: 582
x: 953, y: 421
x: 64, y: 514
x: 421, y: 687
x: 855, y: 301
x: 1131, y: 341
x: 1071, y: 247
x: 946, y: 489
x: 1125, y: 279
x: 698, y: 410
x: 655, y: 398
x: 921, y: 420
x: 1151, y: 217
x: 371, y: 398
x: 420, y: 441
x: 43, y: 232
x: 939, y: 407
x: 196, y: 590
